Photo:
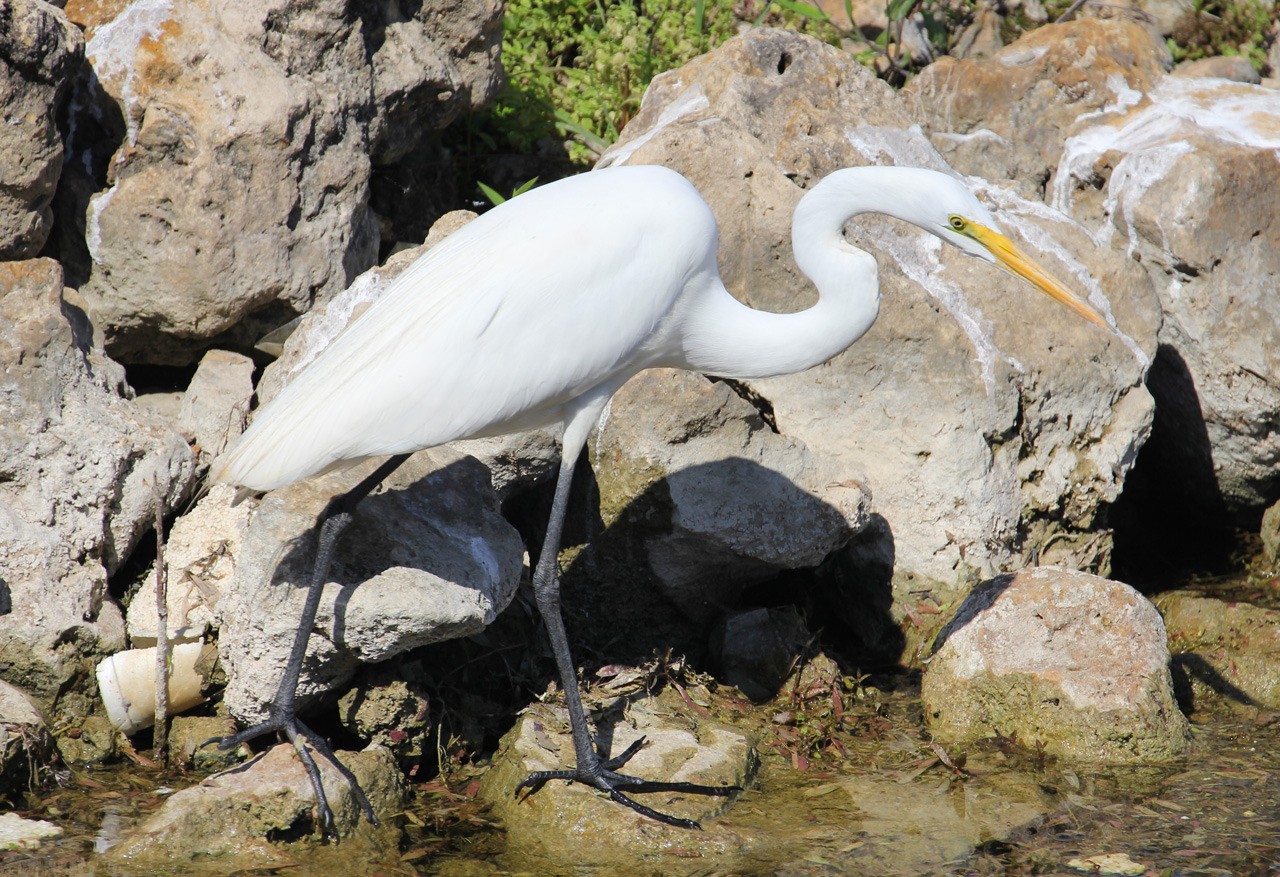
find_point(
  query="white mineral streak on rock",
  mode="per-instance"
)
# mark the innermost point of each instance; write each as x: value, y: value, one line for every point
x: 918, y: 254
x: 1153, y: 138
x: 1011, y: 210
x: 329, y: 323
x: 114, y: 49
x: 93, y: 234
x: 692, y: 100
x: 980, y: 134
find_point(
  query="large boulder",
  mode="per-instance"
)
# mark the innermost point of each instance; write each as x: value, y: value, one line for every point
x: 1179, y: 173
x: 239, y: 141
x: 1072, y: 664
x: 426, y: 559
x: 1183, y: 179
x: 698, y: 494
x: 40, y: 52
x: 1007, y: 117
x: 82, y: 470
x: 988, y: 422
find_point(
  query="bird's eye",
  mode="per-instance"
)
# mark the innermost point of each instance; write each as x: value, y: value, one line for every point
x: 957, y: 222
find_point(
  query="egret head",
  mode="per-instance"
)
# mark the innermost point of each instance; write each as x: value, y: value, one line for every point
x: 960, y: 219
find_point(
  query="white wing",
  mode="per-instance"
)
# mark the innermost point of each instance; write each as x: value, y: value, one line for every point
x: 495, y: 329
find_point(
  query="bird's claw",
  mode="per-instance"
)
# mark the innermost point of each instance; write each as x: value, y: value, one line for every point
x: 300, y: 735
x: 607, y: 780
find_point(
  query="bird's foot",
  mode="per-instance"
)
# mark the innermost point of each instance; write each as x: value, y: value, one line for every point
x: 286, y: 723
x: 606, y: 779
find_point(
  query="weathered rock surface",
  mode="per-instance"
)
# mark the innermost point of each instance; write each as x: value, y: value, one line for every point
x: 215, y: 406
x: 236, y: 818
x: 568, y: 823
x: 1007, y: 117
x: 425, y: 559
x: 1183, y: 178
x: 708, y: 498
x: 1057, y: 659
x: 1270, y: 532
x: 240, y: 146
x: 187, y: 736
x: 81, y: 471
x: 200, y: 555
x: 388, y: 711
x: 1233, y: 648
x: 1235, y: 67
x: 40, y: 52
x: 986, y: 421
x: 1177, y: 171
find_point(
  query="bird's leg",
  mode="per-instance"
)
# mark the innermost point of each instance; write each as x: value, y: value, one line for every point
x: 283, y: 715
x: 590, y: 769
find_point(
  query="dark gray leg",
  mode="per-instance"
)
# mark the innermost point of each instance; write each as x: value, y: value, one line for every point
x: 283, y: 716
x: 590, y: 768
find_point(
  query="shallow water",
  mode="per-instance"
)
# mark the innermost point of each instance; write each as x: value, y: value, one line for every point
x: 848, y: 784
x: 889, y: 805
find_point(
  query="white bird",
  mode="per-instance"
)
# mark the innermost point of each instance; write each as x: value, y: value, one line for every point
x: 534, y: 314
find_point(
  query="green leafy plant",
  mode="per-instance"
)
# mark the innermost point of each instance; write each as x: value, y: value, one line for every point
x: 1225, y: 27
x: 577, y: 69
x: 495, y: 197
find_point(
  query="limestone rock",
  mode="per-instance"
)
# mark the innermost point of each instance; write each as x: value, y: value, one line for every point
x: 216, y: 403
x: 187, y: 736
x: 868, y: 16
x: 1183, y: 179
x: 425, y: 559
x: 1233, y: 648
x: 200, y: 554
x: 1233, y: 67
x: 567, y: 823
x: 1270, y: 532
x: 237, y: 142
x: 429, y: 67
x: 389, y: 711
x: 1007, y: 117
x: 1057, y: 659
x: 983, y: 417
x: 17, y: 833
x: 236, y: 818
x: 81, y: 471
x: 91, y: 740
x: 708, y: 497
x: 40, y: 52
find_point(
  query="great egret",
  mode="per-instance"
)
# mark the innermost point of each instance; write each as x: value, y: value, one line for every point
x: 533, y: 315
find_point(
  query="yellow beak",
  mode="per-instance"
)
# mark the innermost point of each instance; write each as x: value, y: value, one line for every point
x: 1013, y: 260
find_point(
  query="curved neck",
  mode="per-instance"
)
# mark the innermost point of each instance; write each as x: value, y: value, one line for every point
x: 726, y: 338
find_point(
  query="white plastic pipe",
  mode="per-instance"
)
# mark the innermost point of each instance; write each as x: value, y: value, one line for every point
x: 127, y: 683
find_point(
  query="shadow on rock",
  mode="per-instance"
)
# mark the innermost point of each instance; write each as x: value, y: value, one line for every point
x: 1189, y: 668
x: 699, y: 552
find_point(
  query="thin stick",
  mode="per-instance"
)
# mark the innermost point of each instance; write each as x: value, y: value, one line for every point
x: 163, y: 647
